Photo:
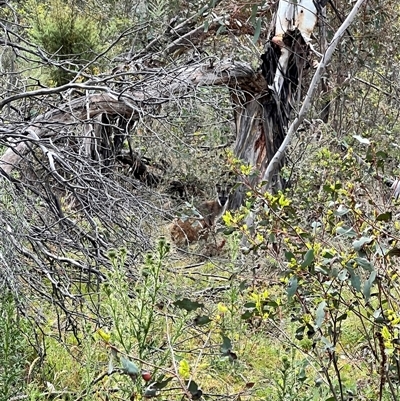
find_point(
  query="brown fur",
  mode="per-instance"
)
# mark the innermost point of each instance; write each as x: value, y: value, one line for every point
x: 191, y: 230
x: 188, y: 231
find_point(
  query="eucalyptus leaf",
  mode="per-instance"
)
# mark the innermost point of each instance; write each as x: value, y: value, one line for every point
x: 367, y: 286
x: 358, y: 244
x: 387, y: 216
x: 110, y: 367
x: 320, y: 314
x: 159, y: 385
x: 187, y: 304
x: 346, y: 231
x: 365, y: 264
x: 257, y: 30
x: 129, y: 367
x: 151, y: 391
x: 394, y: 252
x: 361, y: 139
x: 292, y: 288
x: 226, y: 346
x: 201, y: 320
x: 194, y: 390
x: 328, y: 344
x: 354, y: 279
x: 343, y: 275
x: 308, y: 258
x: 221, y: 29
x: 341, y: 211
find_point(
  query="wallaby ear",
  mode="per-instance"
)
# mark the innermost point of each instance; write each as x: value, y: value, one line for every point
x: 218, y: 188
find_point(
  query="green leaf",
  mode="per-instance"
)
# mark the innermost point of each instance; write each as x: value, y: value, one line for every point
x: 320, y: 314
x: 247, y: 314
x: 386, y: 333
x: 201, y: 320
x: 365, y: 264
x: 161, y: 384
x: 341, y: 211
x: 394, y: 252
x: 381, y: 154
x: 342, y: 317
x: 300, y: 333
x: 292, y: 288
x: 226, y: 346
x: 151, y: 391
x: 308, y: 258
x: 105, y: 336
x: 129, y: 367
x: 387, y: 216
x: 361, y: 139
x: 194, y: 390
x: 358, y: 244
x: 346, y: 231
x: 289, y: 256
x: 187, y: 304
x: 228, y: 230
x: 221, y: 29
x: 253, y: 16
x: 328, y: 256
x: 184, y: 369
x: 354, y: 279
x: 368, y: 284
x: 257, y: 30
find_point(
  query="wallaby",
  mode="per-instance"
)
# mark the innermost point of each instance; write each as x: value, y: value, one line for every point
x: 211, y: 211
x: 193, y: 229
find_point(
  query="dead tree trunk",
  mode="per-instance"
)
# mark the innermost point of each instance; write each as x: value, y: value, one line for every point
x: 262, y: 116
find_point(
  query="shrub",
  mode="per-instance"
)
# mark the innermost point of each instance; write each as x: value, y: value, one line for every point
x: 66, y: 33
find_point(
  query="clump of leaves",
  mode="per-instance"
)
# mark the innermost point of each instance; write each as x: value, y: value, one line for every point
x: 67, y: 34
x: 338, y: 268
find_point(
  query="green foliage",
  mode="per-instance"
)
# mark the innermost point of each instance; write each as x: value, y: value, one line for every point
x: 338, y: 258
x: 65, y: 32
x: 13, y: 348
x: 312, y: 297
x: 134, y: 322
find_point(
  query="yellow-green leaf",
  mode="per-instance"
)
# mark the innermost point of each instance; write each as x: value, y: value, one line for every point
x: 105, y: 336
x: 184, y: 369
x: 386, y: 333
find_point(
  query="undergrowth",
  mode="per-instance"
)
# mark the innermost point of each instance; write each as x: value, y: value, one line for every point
x: 306, y: 309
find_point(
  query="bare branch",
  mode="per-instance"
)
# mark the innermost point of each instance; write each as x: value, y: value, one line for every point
x: 130, y: 104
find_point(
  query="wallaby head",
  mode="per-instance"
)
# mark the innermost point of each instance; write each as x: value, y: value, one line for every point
x: 213, y: 210
x: 223, y: 193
